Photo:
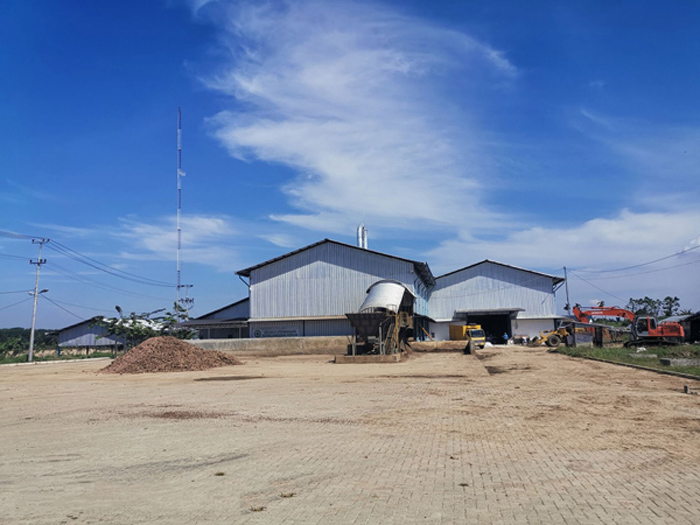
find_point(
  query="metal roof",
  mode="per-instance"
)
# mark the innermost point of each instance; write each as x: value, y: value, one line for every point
x: 299, y: 318
x: 680, y: 318
x: 223, y: 308
x: 555, y: 279
x: 422, y: 269
x: 494, y: 311
x: 81, y: 323
x: 213, y: 323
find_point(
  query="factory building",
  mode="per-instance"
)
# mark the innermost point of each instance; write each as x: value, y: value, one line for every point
x: 503, y: 299
x: 309, y: 291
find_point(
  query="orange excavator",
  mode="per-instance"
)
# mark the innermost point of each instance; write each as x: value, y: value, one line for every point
x: 644, y: 329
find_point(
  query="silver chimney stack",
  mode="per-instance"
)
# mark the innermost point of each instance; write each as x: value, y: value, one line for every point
x: 362, y: 236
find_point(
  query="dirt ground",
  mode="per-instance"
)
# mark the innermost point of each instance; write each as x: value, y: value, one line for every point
x: 510, y: 435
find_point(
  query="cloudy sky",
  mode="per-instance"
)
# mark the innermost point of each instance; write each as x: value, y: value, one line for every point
x: 540, y: 134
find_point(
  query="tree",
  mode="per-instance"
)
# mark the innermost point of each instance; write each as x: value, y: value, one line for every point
x: 670, y: 306
x: 14, y: 341
x: 665, y: 307
x: 645, y: 306
x: 135, y: 328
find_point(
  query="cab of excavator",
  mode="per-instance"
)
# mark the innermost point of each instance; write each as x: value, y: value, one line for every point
x: 643, y: 325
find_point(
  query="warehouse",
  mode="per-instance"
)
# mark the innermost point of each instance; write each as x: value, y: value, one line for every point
x: 89, y: 334
x: 503, y: 299
x: 307, y: 292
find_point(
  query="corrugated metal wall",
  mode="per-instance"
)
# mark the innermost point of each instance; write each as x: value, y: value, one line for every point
x: 491, y: 286
x: 328, y: 279
x: 306, y: 328
x: 85, y: 335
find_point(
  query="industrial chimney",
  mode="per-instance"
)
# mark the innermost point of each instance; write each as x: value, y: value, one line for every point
x: 362, y: 236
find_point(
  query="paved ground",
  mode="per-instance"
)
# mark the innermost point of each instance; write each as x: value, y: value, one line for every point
x: 518, y: 436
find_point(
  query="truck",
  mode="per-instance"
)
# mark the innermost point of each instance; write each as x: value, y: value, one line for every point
x: 473, y: 334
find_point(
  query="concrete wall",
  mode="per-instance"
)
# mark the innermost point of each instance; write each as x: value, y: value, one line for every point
x: 276, y: 346
x: 440, y: 331
x: 531, y: 327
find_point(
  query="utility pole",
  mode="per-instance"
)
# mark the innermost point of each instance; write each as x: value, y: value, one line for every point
x: 187, y: 300
x: 39, y: 261
x: 566, y: 283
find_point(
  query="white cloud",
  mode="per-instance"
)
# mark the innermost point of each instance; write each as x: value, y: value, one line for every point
x: 660, y: 159
x: 282, y: 240
x: 597, y: 243
x: 357, y: 99
x: 343, y: 93
x: 70, y: 231
x: 205, y: 240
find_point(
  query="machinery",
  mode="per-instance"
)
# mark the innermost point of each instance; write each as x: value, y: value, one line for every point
x: 551, y: 338
x: 643, y: 329
x: 384, y: 322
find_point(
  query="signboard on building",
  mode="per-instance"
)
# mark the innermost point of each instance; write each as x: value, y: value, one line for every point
x: 276, y: 332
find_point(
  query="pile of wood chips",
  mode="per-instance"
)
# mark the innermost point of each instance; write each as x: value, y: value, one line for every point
x: 168, y: 354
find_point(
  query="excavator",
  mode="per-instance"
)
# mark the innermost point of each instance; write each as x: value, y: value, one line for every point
x: 644, y: 329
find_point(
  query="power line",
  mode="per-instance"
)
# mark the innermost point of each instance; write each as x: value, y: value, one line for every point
x: 15, y: 235
x: 92, y: 282
x: 642, y: 264
x: 116, y: 272
x: 84, y: 307
x: 11, y: 256
x: 644, y: 273
x: 15, y: 304
x: 597, y: 288
x: 61, y: 307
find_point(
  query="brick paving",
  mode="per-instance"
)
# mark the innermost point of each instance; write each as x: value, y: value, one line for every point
x: 518, y: 437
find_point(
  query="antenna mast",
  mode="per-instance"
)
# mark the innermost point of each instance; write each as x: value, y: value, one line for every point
x: 187, y: 301
x: 180, y: 173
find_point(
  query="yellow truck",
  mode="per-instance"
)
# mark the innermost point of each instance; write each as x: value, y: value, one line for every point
x: 473, y: 334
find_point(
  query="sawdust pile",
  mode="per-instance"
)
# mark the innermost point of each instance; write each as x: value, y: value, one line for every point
x: 168, y: 354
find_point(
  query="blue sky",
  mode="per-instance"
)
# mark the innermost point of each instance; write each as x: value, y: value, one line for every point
x: 539, y: 134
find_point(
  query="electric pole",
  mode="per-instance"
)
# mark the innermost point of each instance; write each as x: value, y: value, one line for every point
x: 187, y: 300
x: 566, y: 283
x: 39, y: 261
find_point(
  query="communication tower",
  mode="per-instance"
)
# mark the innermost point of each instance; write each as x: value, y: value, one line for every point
x: 187, y: 300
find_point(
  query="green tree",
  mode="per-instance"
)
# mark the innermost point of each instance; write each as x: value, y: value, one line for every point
x: 135, y: 328
x: 14, y: 341
x: 655, y: 307
x: 670, y: 306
